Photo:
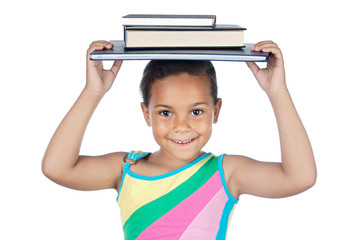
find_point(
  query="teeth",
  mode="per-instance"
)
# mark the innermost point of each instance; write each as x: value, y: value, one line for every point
x: 182, y: 142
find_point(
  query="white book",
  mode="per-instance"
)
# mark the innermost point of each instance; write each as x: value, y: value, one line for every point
x: 119, y: 52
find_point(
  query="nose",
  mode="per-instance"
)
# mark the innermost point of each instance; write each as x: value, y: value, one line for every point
x: 181, y: 125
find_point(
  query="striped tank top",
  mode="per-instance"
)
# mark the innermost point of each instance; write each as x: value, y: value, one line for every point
x: 192, y: 202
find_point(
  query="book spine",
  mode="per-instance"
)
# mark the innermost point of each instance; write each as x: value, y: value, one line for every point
x: 125, y: 35
x: 220, y: 27
x: 170, y: 20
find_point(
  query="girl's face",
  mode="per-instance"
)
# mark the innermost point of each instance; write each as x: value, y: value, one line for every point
x: 181, y: 112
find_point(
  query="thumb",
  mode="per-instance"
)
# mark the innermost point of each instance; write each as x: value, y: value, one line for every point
x: 253, y: 66
x: 116, y: 66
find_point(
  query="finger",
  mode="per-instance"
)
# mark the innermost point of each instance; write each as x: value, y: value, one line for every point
x: 270, y: 49
x: 100, y: 42
x: 116, y: 67
x: 275, y: 56
x: 265, y: 44
x: 273, y: 50
x: 253, y: 66
x: 98, y: 45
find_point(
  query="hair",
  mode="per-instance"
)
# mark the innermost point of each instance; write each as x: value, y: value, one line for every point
x: 158, y: 69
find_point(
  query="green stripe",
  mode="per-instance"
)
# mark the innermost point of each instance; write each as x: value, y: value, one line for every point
x: 152, y: 211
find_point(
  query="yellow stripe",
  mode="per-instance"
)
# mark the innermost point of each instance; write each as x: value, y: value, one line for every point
x: 135, y: 192
x: 229, y: 219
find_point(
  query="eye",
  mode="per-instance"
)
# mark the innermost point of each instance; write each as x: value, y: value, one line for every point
x: 196, y: 112
x: 165, y: 113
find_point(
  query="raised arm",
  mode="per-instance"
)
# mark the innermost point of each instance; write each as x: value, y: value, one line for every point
x: 61, y: 162
x: 297, y: 171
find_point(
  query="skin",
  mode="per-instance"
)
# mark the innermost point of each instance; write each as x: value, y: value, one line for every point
x: 181, y: 113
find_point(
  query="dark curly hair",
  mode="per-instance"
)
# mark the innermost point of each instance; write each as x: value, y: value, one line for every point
x: 158, y: 69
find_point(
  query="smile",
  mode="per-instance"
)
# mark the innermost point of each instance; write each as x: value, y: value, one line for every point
x: 183, y: 142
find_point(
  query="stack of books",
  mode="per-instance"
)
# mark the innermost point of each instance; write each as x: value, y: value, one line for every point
x: 180, y: 31
x: 179, y: 37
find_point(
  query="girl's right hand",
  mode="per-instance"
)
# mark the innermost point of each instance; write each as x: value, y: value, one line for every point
x: 99, y: 80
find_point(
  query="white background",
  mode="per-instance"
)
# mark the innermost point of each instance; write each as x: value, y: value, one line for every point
x: 43, y: 46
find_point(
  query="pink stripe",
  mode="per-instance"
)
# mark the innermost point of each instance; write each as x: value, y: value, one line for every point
x: 173, y: 224
x: 206, y: 224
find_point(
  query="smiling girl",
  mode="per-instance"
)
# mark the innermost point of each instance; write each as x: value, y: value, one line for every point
x: 179, y: 191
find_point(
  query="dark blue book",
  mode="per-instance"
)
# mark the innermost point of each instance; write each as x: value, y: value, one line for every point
x: 119, y: 52
x: 168, y: 20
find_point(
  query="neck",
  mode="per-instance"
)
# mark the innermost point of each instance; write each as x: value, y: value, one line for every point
x: 167, y: 160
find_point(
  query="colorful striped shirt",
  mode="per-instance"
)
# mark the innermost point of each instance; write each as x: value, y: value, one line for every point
x: 192, y: 202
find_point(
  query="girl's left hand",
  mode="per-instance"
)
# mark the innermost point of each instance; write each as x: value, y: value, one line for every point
x: 272, y: 78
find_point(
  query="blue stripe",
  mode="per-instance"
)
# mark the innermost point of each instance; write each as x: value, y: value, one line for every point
x: 131, y: 154
x: 125, y: 169
x: 223, y: 224
x: 221, y: 172
x: 139, y: 155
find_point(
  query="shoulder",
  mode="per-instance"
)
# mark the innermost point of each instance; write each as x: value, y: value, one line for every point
x: 116, y: 164
x: 113, y: 164
x: 93, y: 172
x: 234, y: 167
x: 114, y: 159
x: 235, y: 161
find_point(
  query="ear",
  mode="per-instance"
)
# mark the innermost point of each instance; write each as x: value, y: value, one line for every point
x: 217, y: 109
x: 145, y: 113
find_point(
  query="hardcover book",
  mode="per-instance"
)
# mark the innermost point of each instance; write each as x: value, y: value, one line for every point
x: 190, y: 37
x: 168, y: 20
x: 119, y: 52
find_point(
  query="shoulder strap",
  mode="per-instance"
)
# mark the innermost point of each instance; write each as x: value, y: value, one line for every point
x: 134, y: 156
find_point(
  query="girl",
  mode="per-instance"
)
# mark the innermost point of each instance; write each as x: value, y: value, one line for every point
x: 180, y: 192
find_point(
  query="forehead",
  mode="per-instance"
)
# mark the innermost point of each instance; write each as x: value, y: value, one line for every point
x: 181, y: 88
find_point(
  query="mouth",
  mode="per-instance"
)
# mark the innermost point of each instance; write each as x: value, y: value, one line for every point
x: 183, y: 142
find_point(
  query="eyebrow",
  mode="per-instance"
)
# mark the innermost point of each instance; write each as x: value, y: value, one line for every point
x: 192, y: 105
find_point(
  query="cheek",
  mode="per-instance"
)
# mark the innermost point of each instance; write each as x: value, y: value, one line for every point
x: 159, y: 127
x: 204, y: 126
